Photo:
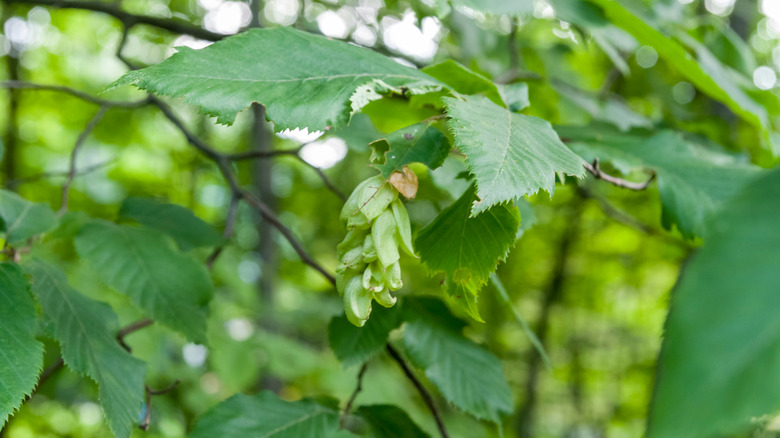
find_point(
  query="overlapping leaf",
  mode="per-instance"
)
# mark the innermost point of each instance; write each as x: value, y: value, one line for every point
x: 419, y: 143
x: 303, y: 80
x: 141, y: 263
x: 692, y: 181
x: 510, y: 155
x: 467, y: 249
x: 266, y: 415
x: 708, y: 77
x: 464, y: 81
x: 468, y: 376
x: 388, y: 421
x: 353, y: 345
x: 85, y: 330
x: 21, y: 355
x: 721, y: 351
x: 23, y: 219
x: 188, y: 230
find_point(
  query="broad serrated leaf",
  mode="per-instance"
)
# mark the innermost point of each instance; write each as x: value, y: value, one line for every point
x: 303, y: 80
x: 188, y: 230
x: 419, y: 143
x: 266, y: 415
x: 718, y: 364
x: 692, y: 181
x: 469, y: 376
x: 464, y: 81
x: 354, y: 345
x: 467, y: 249
x: 511, y: 155
x: 388, y: 421
x: 21, y: 355
x: 515, y: 95
x: 24, y: 219
x: 85, y: 330
x: 705, y: 76
x: 142, y: 264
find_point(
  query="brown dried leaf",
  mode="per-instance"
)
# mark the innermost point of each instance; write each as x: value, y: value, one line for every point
x: 405, y: 183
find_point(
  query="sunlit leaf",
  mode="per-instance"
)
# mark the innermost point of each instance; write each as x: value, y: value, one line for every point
x: 510, y: 154
x: 467, y: 249
x: 333, y: 78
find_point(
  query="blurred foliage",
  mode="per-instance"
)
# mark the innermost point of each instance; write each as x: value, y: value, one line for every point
x: 591, y: 276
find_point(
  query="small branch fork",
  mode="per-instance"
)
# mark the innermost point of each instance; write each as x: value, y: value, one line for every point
x: 358, y: 388
x: 149, y: 393
x: 596, y: 171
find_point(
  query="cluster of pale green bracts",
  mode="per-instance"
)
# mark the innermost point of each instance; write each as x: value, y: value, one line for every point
x: 368, y: 269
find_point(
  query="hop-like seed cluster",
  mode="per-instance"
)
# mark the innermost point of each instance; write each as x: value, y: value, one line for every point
x: 377, y: 224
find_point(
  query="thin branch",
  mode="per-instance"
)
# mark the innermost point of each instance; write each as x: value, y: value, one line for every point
x: 127, y: 330
x: 328, y: 183
x: 44, y: 175
x: 45, y: 375
x: 23, y: 85
x: 129, y: 20
x: 149, y: 393
x: 426, y: 396
x: 74, y: 154
x: 358, y: 388
x: 596, y: 171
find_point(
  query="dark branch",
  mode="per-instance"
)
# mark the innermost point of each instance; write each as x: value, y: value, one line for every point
x: 596, y: 171
x: 22, y: 85
x: 129, y: 20
x: 74, y: 154
x: 358, y: 388
x: 426, y: 396
x: 134, y: 327
x: 149, y: 393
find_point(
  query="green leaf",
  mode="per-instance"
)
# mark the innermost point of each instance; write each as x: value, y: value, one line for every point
x: 289, y: 67
x: 188, y: 230
x: 510, y: 155
x: 718, y: 364
x: 467, y: 249
x: 21, y: 355
x: 354, y: 345
x: 142, y: 264
x: 24, y: 219
x: 420, y: 143
x: 469, y: 376
x: 509, y: 7
x: 464, y: 81
x: 388, y: 421
x: 85, y: 330
x: 266, y: 415
x: 708, y: 78
x: 692, y: 181
x: 515, y: 95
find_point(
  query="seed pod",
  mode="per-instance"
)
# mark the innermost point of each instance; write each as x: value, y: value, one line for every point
x: 351, y: 259
x: 385, y: 299
x: 343, y: 277
x: 353, y: 202
x: 393, y: 277
x: 353, y: 239
x: 376, y: 197
x: 357, y: 302
x: 404, y: 228
x: 369, y: 250
x: 383, y: 231
x: 372, y: 278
